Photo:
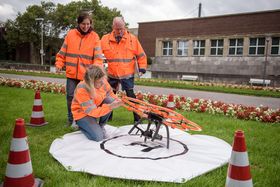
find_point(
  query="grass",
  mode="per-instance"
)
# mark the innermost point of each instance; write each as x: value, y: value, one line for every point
x: 170, y: 84
x: 221, y: 89
x: 261, y: 139
x: 37, y: 74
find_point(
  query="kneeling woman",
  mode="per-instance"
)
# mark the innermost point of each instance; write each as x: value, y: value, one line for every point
x: 93, y: 99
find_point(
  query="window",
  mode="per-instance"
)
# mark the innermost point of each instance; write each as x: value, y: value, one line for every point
x: 167, y: 48
x: 217, y: 47
x: 257, y: 46
x: 275, y: 46
x: 235, y: 46
x: 182, y: 48
x: 198, y: 47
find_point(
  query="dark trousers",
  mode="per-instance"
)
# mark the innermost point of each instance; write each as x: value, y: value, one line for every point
x: 71, y: 85
x: 127, y: 86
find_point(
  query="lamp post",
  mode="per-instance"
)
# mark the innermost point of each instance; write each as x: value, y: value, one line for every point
x: 42, y: 39
x: 265, y: 62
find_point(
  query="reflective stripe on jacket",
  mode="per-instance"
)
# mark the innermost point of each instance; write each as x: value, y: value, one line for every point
x: 121, y: 56
x: 78, y: 52
x: 84, y: 104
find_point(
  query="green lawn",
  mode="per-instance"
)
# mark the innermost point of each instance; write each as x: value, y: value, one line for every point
x: 37, y: 74
x: 214, y: 88
x: 262, y: 143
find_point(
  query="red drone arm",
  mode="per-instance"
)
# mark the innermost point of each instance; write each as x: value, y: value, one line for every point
x: 170, y: 117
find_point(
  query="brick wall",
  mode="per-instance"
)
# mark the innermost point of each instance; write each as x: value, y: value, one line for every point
x: 224, y: 67
x: 235, y: 24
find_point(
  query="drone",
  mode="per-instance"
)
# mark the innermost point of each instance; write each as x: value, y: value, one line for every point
x: 156, y: 116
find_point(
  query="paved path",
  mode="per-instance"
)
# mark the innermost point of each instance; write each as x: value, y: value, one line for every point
x: 227, y: 98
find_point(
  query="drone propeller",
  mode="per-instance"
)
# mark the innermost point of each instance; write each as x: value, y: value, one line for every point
x: 169, y: 117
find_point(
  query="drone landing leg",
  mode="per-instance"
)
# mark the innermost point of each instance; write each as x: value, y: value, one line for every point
x: 159, y: 137
x: 147, y: 131
x: 167, y: 136
x: 156, y: 135
x: 136, y: 126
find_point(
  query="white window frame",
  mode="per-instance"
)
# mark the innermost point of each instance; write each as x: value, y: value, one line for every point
x: 217, y: 47
x: 257, y: 46
x: 198, y: 47
x: 275, y: 45
x: 183, y: 47
x: 236, y: 46
x: 169, y: 48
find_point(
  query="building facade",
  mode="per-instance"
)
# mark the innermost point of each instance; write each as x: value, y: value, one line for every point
x: 229, y: 48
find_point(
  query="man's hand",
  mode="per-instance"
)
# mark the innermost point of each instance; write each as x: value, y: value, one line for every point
x: 58, y: 70
x: 140, y: 74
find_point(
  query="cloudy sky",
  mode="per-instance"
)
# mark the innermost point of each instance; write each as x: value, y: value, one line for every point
x: 154, y: 10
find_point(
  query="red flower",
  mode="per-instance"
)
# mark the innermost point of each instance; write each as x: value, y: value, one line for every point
x: 183, y: 99
x: 139, y: 96
x: 225, y: 108
x: 62, y: 90
x: 196, y: 100
x: 240, y: 115
x: 192, y: 106
x: 171, y: 98
x: 203, y: 108
x: 178, y: 105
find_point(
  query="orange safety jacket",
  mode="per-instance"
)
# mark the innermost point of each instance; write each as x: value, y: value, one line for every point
x: 121, y: 57
x: 78, y: 52
x: 84, y: 104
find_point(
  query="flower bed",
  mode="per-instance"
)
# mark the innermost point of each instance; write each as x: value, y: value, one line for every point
x: 35, y: 85
x: 263, y: 114
x: 197, y: 84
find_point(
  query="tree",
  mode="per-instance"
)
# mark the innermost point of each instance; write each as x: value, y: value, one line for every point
x: 65, y: 16
x: 58, y: 19
x: 25, y: 30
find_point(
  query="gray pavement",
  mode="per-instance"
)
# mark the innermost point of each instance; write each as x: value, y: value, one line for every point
x: 273, y: 103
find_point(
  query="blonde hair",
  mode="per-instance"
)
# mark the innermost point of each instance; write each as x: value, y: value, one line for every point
x: 93, y: 73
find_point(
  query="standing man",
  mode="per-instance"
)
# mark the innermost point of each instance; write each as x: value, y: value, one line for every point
x: 80, y: 49
x: 124, y: 54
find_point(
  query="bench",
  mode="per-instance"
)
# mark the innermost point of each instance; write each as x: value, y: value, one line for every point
x: 52, y: 69
x: 189, y: 78
x: 259, y: 81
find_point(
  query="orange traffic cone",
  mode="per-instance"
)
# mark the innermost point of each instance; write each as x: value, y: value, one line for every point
x: 37, y: 116
x: 170, y: 103
x: 239, y: 169
x: 19, y: 167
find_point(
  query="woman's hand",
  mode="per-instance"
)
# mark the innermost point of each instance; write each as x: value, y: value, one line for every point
x: 116, y: 104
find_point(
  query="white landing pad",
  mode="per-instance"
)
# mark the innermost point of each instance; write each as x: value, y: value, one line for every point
x: 128, y: 157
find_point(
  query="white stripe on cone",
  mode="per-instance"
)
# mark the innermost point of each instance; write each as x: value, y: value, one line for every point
x: 239, y: 159
x: 37, y: 102
x: 236, y: 183
x: 19, y: 144
x: 18, y: 170
x: 37, y: 114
